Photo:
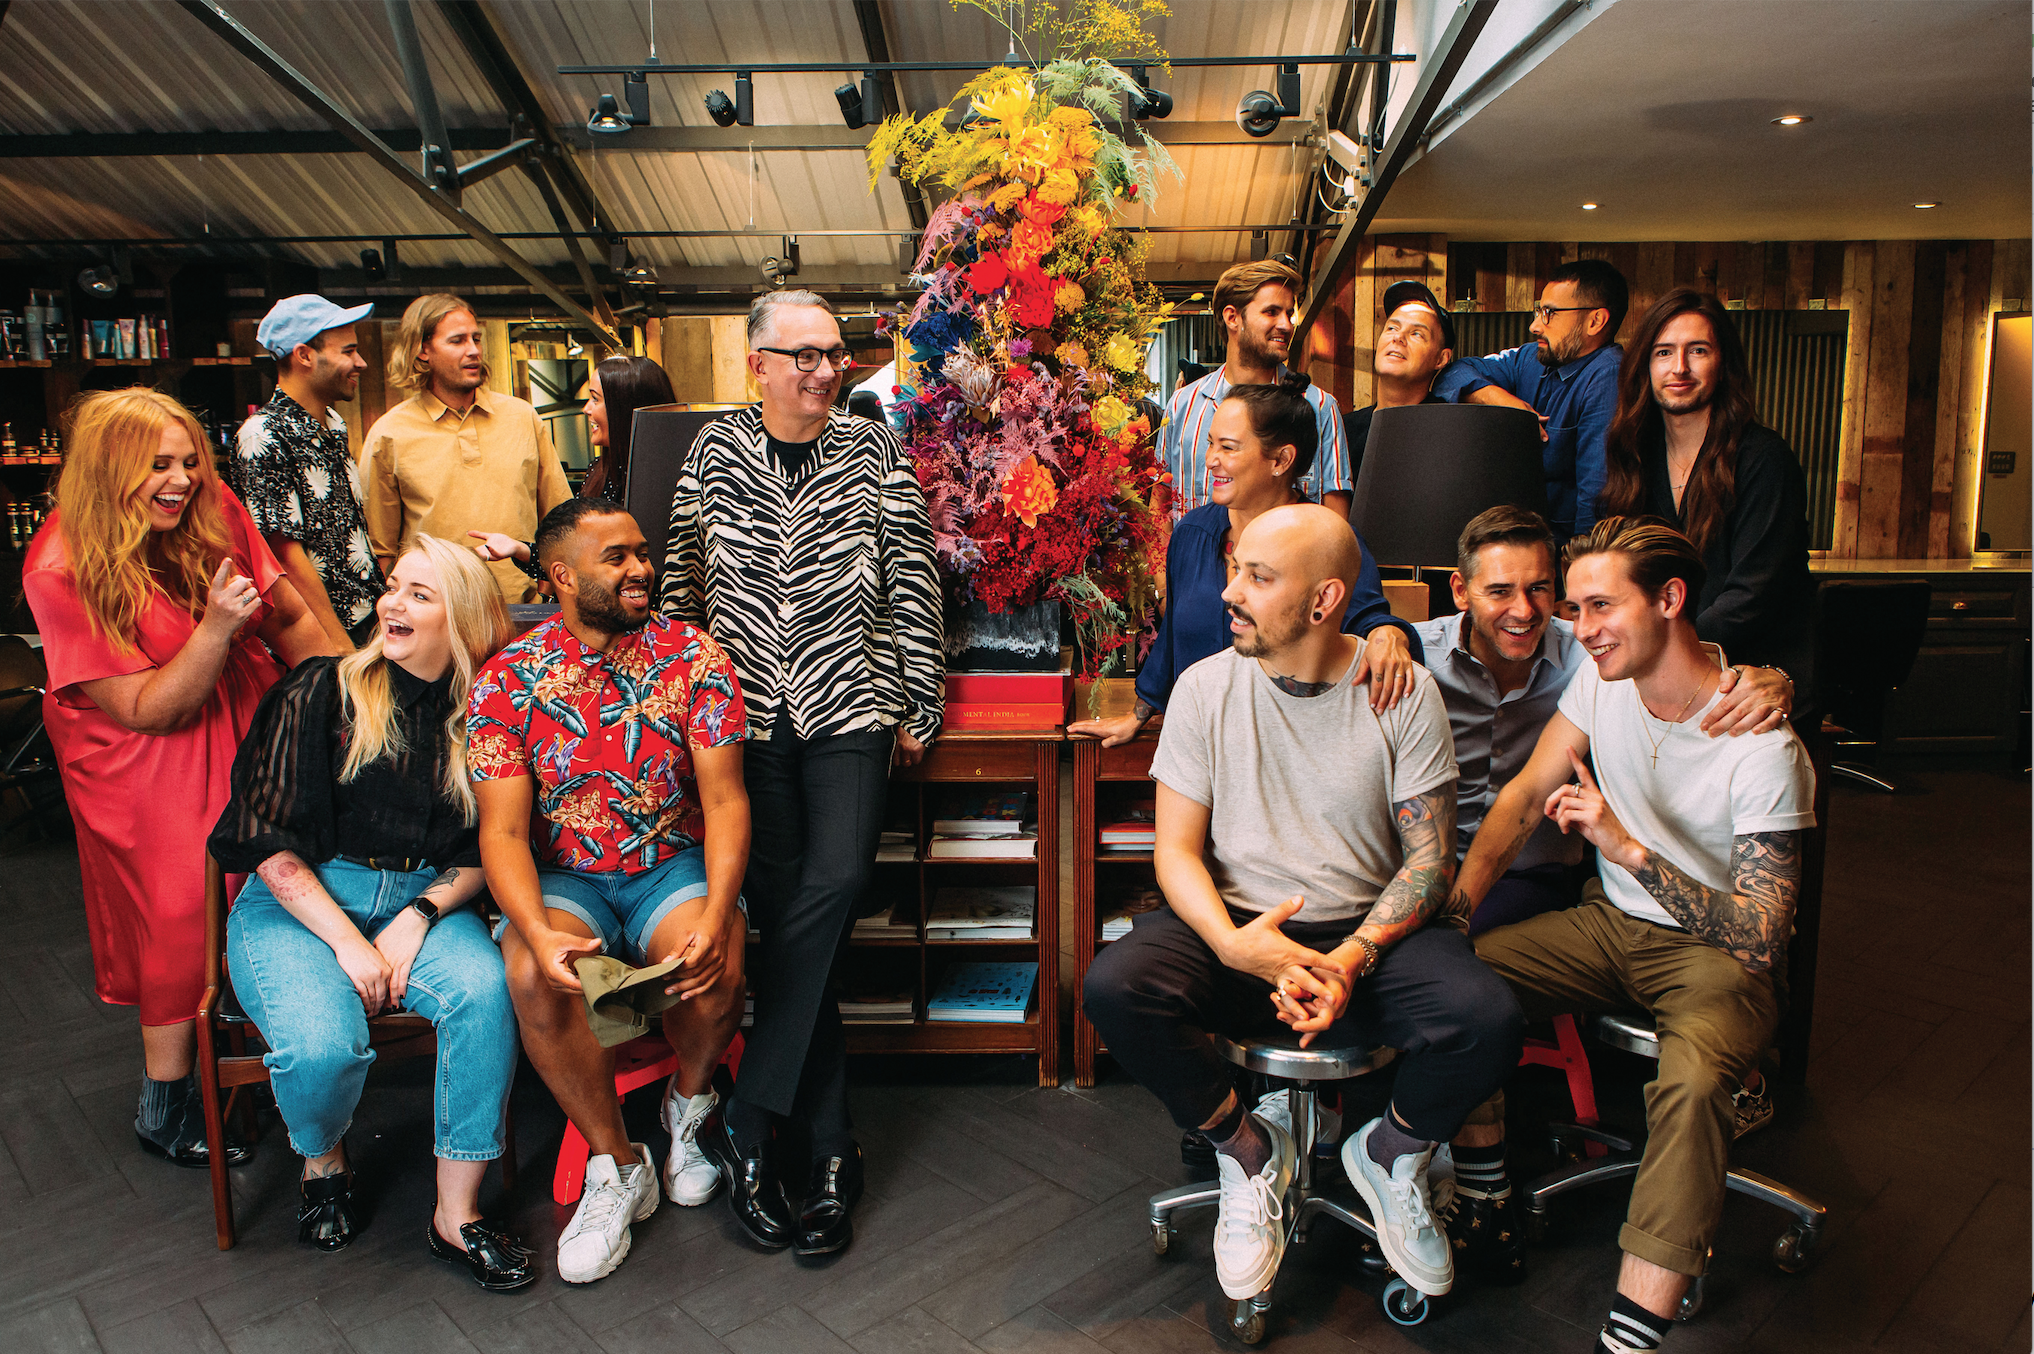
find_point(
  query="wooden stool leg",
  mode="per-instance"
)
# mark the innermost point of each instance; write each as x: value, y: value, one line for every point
x: 215, y: 1134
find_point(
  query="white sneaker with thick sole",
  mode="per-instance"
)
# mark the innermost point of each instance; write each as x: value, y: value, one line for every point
x: 690, y: 1177
x: 1276, y: 1108
x: 1250, y: 1217
x: 597, y: 1240
x: 1399, y: 1207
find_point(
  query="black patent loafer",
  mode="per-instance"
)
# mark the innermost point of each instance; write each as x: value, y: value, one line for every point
x: 497, y: 1261
x: 826, y: 1222
x: 194, y: 1155
x: 753, y: 1191
x: 1486, y: 1235
x: 325, y: 1217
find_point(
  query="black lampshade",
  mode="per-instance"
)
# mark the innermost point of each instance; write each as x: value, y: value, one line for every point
x: 1429, y: 468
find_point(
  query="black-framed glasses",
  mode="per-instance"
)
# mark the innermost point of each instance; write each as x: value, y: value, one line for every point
x: 1545, y: 314
x: 808, y: 359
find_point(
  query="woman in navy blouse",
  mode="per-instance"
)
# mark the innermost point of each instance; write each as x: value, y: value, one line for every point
x: 1261, y: 443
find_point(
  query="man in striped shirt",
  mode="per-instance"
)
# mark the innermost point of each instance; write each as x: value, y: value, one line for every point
x: 1256, y: 303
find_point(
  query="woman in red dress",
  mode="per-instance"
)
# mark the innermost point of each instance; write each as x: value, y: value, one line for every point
x: 154, y: 594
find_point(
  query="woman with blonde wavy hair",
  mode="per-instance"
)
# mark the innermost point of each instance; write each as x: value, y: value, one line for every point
x: 162, y: 614
x: 352, y: 810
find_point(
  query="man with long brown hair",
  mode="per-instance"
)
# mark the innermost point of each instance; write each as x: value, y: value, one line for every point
x: 1686, y: 446
x: 456, y: 457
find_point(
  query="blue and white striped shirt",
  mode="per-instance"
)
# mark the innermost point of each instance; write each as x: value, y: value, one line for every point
x: 1184, y: 443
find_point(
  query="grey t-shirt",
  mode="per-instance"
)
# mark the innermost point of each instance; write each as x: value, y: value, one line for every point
x: 1300, y: 788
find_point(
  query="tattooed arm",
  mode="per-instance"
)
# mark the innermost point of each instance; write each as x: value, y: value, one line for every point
x: 454, y: 887
x: 1515, y: 815
x: 1750, y: 922
x: 297, y: 887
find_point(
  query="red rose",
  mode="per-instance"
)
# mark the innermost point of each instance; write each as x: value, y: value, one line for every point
x: 987, y: 274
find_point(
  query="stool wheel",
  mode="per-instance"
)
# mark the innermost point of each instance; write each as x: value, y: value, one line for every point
x: 1247, y: 1321
x: 1404, y: 1304
x: 1795, y: 1247
x: 1161, y: 1238
x: 1536, y: 1227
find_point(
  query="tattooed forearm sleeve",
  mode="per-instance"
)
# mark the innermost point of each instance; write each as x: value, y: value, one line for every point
x: 1751, y: 925
x: 454, y: 886
x: 1426, y: 830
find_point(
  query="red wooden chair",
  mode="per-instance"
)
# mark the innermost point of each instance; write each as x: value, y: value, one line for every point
x: 639, y: 1063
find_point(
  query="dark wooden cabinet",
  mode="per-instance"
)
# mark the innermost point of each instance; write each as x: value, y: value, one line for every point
x: 1103, y: 778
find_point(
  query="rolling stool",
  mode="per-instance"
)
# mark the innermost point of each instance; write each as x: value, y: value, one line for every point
x: 1304, y: 1067
x: 1792, y: 1249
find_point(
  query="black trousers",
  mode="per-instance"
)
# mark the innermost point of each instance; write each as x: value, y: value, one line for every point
x: 815, y: 814
x: 1157, y: 993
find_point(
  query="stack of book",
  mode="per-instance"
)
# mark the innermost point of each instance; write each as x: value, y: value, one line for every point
x: 1125, y: 905
x: 997, y: 701
x: 983, y: 913
x: 990, y: 827
x: 991, y: 994
x: 1135, y: 833
x: 875, y: 1006
x: 891, y: 923
x: 897, y: 846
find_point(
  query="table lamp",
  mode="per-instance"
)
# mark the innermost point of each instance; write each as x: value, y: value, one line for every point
x: 1429, y: 468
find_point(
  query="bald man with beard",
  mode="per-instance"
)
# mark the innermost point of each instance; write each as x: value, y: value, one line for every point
x: 1304, y: 841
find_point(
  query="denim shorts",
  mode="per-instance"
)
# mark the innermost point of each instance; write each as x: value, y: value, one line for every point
x: 624, y: 910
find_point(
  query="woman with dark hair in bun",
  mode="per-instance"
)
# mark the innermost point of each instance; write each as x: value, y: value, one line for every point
x: 1261, y: 443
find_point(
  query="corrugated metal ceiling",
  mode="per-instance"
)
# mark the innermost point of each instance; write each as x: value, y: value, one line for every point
x: 146, y: 65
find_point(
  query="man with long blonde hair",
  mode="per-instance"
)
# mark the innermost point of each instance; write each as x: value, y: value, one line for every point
x: 155, y: 595
x: 456, y: 456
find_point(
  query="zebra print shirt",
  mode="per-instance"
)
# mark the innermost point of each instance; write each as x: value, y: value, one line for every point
x: 821, y: 585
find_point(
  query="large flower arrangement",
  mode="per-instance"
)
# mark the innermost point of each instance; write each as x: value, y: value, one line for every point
x: 1025, y: 362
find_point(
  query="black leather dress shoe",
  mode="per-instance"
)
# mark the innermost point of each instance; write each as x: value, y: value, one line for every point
x: 753, y: 1191
x: 497, y: 1261
x: 325, y: 1217
x: 193, y: 1153
x: 825, y: 1223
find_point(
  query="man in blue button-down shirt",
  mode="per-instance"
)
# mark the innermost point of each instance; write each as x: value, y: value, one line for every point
x: 1567, y: 375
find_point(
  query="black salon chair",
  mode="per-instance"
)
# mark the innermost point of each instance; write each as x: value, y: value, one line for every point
x: 27, y: 762
x: 1867, y: 635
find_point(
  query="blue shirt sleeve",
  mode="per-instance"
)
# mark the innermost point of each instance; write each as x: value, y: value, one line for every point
x: 1596, y: 405
x: 1331, y: 458
x: 1160, y: 668
x: 1368, y: 609
x: 1465, y: 375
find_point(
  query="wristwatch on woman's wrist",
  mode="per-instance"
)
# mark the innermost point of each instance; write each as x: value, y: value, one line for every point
x: 426, y: 909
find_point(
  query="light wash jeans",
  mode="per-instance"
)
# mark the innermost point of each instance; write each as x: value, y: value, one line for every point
x: 290, y: 984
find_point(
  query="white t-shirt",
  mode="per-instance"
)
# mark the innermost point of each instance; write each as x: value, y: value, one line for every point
x: 1300, y: 788
x: 1705, y: 791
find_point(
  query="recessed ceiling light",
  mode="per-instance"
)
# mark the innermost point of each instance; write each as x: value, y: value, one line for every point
x: 1792, y: 120
x: 1924, y: 206
x: 1589, y: 206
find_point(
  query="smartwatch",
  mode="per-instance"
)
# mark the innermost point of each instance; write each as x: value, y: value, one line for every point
x: 426, y: 909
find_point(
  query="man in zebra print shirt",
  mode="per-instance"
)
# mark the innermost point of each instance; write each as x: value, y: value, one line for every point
x: 799, y: 538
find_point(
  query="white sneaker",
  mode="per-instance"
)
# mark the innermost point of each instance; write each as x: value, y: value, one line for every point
x: 1276, y: 1108
x: 690, y: 1178
x: 1250, y: 1217
x: 597, y: 1239
x: 1406, y: 1231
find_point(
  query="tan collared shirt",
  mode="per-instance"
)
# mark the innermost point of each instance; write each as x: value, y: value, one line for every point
x: 431, y: 470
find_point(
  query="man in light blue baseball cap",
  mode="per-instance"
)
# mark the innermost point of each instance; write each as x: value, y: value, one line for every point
x: 294, y: 470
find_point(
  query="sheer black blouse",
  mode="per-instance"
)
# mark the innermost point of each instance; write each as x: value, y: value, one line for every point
x: 286, y: 794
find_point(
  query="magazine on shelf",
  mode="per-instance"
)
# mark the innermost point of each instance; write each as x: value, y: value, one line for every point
x: 986, y: 816
x: 893, y: 923
x: 876, y: 1007
x: 979, y: 847
x: 958, y: 908
x: 993, y: 994
x: 896, y: 847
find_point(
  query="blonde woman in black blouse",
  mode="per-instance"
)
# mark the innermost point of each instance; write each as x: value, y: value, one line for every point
x: 351, y: 809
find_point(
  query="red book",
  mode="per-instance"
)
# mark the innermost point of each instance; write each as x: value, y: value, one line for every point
x: 978, y: 716
x: 1008, y: 688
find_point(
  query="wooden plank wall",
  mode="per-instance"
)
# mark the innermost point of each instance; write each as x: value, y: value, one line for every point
x: 1919, y: 347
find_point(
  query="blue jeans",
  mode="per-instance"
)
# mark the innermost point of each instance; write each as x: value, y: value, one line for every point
x: 290, y: 984
x: 624, y: 910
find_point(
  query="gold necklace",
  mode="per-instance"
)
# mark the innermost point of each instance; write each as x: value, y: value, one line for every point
x: 1672, y: 724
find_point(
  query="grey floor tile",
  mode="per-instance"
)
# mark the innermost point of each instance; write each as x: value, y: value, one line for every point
x: 663, y: 1330
x: 59, y: 1328
x: 181, y: 1329
x: 1114, y: 1231
x: 422, y: 1327
x: 302, y: 1329
x: 1986, y: 1257
x: 1055, y: 1156
x: 925, y: 1136
x: 542, y: 1329
x: 911, y: 1331
x: 1035, y: 1331
x: 785, y: 1329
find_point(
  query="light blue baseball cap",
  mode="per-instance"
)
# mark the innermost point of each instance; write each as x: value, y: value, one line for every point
x: 299, y: 319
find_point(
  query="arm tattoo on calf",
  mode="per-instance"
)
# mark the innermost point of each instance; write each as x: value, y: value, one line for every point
x: 1751, y: 924
x: 1426, y: 831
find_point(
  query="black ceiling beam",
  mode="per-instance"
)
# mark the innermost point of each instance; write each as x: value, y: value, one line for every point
x: 1437, y: 72
x: 236, y: 35
x: 880, y: 67
x: 439, y: 166
x: 118, y: 145
x: 876, y: 40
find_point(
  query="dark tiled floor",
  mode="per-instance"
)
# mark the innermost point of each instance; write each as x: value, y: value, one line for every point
x: 1002, y: 1217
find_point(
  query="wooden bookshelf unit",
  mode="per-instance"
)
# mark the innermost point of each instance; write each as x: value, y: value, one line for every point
x: 1104, y: 779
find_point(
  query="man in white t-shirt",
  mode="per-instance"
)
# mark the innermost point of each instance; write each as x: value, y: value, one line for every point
x: 1304, y: 840
x: 1699, y: 850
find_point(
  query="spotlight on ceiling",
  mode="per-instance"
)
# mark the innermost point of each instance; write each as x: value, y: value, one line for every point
x: 1792, y: 120
x: 606, y: 118
x: 860, y: 105
x: 1148, y: 102
x: 1926, y: 206
x: 99, y: 280
x: 1259, y: 113
x: 1590, y: 206
x: 727, y: 112
x: 1260, y: 245
x: 373, y: 265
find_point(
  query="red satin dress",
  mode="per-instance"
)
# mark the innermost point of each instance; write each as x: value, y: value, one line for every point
x: 145, y: 803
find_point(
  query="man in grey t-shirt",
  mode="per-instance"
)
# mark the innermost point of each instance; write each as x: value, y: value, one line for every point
x: 1304, y: 840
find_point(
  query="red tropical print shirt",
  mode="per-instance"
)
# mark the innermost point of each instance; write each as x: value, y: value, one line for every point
x: 609, y: 738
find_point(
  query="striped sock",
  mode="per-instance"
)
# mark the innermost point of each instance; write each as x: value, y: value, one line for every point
x: 1481, y: 1169
x: 1632, y: 1327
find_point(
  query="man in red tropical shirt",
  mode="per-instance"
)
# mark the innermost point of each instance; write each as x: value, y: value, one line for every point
x: 605, y: 749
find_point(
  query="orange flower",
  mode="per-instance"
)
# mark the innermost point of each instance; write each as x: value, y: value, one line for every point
x: 1028, y: 242
x: 1037, y: 209
x: 1029, y: 492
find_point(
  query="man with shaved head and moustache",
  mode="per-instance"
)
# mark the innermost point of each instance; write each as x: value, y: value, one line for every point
x: 1305, y: 840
